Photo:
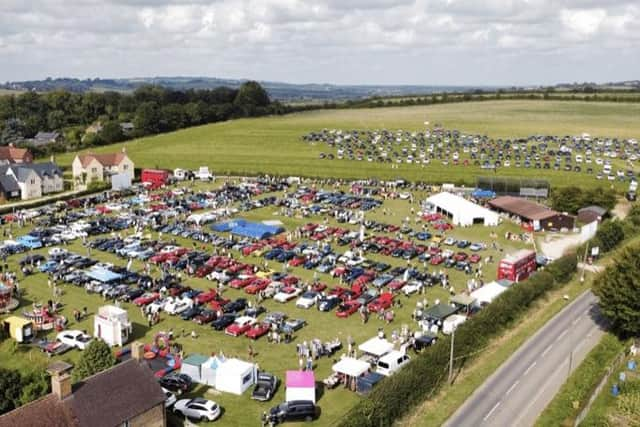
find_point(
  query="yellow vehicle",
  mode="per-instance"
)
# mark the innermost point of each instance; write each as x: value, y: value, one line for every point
x: 264, y: 274
x: 437, y: 238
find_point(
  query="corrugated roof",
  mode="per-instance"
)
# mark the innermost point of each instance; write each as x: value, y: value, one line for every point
x: 522, y: 207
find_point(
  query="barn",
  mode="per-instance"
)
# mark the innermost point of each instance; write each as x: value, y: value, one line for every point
x: 529, y: 211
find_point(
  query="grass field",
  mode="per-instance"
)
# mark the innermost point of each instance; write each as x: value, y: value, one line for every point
x: 241, y: 411
x: 273, y: 145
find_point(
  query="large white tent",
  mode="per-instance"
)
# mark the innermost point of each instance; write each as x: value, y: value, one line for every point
x: 376, y: 347
x: 462, y: 211
x: 235, y: 376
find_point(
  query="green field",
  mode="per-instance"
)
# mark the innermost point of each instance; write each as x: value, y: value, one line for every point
x: 273, y: 145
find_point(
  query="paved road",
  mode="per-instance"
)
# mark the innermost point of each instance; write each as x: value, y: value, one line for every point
x: 518, y: 392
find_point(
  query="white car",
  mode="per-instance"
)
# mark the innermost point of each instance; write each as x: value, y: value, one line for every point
x: 170, y: 398
x: 412, y: 287
x: 178, y: 305
x: 307, y: 299
x: 156, y: 306
x: 74, y: 338
x: 198, y: 409
x: 57, y: 251
x: 287, y: 294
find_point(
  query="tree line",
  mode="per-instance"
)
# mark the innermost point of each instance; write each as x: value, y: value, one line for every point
x: 151, y: 110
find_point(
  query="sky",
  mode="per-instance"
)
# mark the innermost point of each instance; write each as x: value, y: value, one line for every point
x: 424, y: 42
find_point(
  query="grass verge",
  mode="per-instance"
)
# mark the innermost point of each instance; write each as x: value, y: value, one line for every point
x: 574, y: 394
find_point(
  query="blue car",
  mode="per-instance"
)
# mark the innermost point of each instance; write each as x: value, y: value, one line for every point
x: 48, y: 266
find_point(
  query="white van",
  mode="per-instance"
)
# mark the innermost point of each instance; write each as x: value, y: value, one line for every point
x: 391, y: 362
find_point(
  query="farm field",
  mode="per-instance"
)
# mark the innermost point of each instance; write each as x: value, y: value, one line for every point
x: 275, y: 358
x: 273, y: 145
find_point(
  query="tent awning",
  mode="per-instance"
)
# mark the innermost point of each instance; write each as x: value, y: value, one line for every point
x: 103, y: 275
x: 462, y: 299
x: 351, y: 367
x: 440, y: 311
x: 376, y: 346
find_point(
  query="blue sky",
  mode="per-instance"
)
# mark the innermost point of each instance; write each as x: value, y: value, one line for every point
x: 430, y: 42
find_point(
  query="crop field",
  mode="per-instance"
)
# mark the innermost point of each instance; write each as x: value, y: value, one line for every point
x: 273, y: 145
x: 274, y: 358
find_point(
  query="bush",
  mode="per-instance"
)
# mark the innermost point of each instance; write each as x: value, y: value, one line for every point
x: 562, y: 270
x: 609, y: 235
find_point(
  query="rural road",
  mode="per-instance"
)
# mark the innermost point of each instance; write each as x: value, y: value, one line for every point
x: 521, y: 388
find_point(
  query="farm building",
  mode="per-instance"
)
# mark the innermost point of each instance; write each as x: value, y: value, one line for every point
x: 591, y: 213
x: 462, y: 211
x: 540, y: 216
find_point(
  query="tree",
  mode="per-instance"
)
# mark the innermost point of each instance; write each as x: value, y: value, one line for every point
x: 96, y: 358
x: 609, y: 235
x: 251, y: 94
x: 147, y: 118
x: 34, y: 386
x: 618, y: 289
x: 10, y: 385
x: 567, y: 199
x: 111, y: 132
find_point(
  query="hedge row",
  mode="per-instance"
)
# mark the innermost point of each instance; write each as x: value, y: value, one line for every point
x: 425, y: 374
x: 563, y: 410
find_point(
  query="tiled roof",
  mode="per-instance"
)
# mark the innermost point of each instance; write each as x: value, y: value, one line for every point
x: 109, y: 159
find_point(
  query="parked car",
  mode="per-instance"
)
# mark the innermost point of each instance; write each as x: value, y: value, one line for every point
x: 307, y: 299
x: 239, y: 326
x: 170, y: 398
x: 287, y: 294
x: 295, y: 410
x: 74, y: 338
x: 223, y: 321
x: 265, y: 387
x: 176, y: 383
x: 198, y: 409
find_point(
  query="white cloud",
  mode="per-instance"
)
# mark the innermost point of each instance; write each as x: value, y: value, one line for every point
x: 354, y: 41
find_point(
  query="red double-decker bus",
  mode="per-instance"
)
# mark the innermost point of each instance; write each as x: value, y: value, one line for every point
x: 517, y: 266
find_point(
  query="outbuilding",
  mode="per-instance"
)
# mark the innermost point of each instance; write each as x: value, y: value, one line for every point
x: 591, y: 213
x: 19, y: 328
x: 462, y: 211
x: 300, y: 385
x: 112, y: 325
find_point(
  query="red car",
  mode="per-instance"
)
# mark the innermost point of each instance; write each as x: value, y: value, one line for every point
x: 206, y: 316
x: 218, y: 303
x: 159, y: 258
x: 240, y: 326
x: 203, y: 270
x: 475, y: 258
x: 396, y: 285
x: 319, y: 287
x: 381, y: 303
x: 347, y: 308
x: 290, y: 280
x: 206, y: 297
x: 257, y: 286
x: 147, y: 298
x: 241, y: 282
x: 297, y: 261
x: 436, y: 260
x: 460, y: 256
x: 258, y: 330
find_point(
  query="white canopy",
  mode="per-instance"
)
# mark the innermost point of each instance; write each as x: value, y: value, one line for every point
x: 488, y: 293
x: 351, y: 367
x: 376, y: 346
x: 462, y: 211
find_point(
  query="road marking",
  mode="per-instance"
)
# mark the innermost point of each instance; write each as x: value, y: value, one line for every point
x: 562, y: 334
x: 513, y: 386
x: 530, y: 368
x: 544, y: 353
x: 576, y: 320
x: 491, y: 411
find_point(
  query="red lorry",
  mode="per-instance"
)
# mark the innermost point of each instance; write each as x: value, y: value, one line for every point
x: 517, y: 266
x: 155, y: 178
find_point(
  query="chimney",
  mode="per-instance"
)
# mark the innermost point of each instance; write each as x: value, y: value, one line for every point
x: 124, y: 150
x: 60, y: 379
x: 137, y: 351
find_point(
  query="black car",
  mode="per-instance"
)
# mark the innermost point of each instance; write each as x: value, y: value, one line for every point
x: 132, y: 294
x: 190, y: 313
x: 223, y: 321
x: 235, y: 306
x: 176, y: 383
x: 328, y: 303
x: 31, y: 259
x: 295, y: 410
x: 265, y: 387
